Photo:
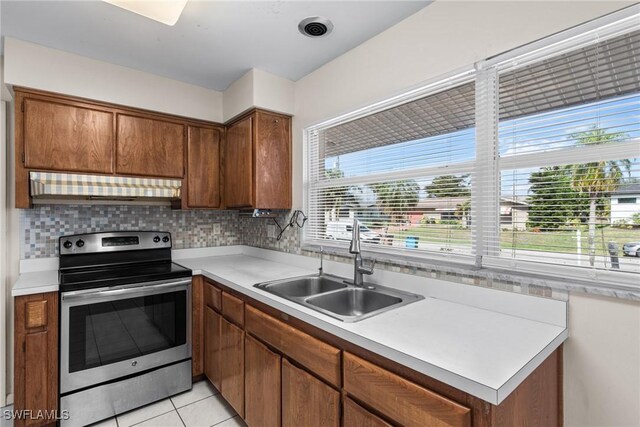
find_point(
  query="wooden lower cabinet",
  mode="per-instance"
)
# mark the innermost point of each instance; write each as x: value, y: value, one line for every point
x: 399, y: 399
x: 307, y: 401
x: 262, y: 385
x: 212, y: 346
x: 232, y: 355
x: 276, y: 371
x: 355, y: 415
x: 36, y: 358
x: 197, y: 327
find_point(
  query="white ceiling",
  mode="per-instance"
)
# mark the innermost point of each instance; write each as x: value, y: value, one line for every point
x: 213, y: 43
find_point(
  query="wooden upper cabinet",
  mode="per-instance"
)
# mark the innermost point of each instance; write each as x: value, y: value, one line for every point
x: 65, y: 137
x: 149, y: 147
x: 257, y: 162
x: 238, y: 164
x: 203, y: 167
x: 272, y: 161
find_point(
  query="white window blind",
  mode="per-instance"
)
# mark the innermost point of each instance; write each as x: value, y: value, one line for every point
x: 531, y: 162
x: 568, y: 146
x: 402, y: 171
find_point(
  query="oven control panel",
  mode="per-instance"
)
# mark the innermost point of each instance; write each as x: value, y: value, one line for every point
x: 114, y: 241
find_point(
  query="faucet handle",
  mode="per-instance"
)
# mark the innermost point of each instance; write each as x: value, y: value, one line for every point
x: 368, y: 270
x: 321, y: 269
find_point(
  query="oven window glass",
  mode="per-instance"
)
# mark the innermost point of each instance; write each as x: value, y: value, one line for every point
x: 108, y: 332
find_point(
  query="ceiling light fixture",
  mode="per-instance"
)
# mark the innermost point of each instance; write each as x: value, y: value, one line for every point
x: 165, y: 11
x: 315, y: 26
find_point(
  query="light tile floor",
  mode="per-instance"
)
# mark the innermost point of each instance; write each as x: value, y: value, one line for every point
x: 201, y: 407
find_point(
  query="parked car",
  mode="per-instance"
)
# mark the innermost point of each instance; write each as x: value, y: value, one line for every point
x: 631, y: 249
x: 341, y: 230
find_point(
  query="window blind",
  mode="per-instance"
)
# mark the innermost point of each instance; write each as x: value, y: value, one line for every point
x: 568, y: 146
x: 529, y: 162
x: 404, y: 172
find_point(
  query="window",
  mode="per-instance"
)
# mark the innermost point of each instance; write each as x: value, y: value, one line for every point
x: 568, y: 139
x: 520, y: 164
x: 627, y: 200
x: 402, y: 171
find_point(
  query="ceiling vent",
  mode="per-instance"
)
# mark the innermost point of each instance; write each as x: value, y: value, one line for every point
x: 315, y: 26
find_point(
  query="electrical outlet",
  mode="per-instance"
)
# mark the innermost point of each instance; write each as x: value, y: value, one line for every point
x: 216, y: 229
x: 271, y: 231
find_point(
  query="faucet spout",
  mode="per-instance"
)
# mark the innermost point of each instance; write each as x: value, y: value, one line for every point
x: 354, y: 247
x: 359, y: 268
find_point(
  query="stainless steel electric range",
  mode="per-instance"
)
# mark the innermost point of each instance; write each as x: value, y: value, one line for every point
x: 125, y: 323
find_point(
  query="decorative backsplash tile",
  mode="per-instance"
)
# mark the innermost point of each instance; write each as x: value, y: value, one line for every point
x: 43, y: 225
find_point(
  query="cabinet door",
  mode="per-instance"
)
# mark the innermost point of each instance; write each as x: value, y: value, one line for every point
x: 203, y: 167
x: 212, y: 336
x: 307, y: 401
x: 36, y: 356
x: 356, y: 416
x: 262, y: 384
x: 238, y: 165
x: 272, y: 161
x: 67, y: 137
x: 232, y: 381
x: 149, y: 147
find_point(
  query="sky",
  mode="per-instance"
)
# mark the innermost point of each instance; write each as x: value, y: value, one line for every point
x: 539, y: 132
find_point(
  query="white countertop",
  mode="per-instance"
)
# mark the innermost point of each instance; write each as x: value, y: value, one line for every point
x: 481, y: 341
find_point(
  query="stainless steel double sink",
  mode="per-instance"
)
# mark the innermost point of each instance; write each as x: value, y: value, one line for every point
x: 337, y: 297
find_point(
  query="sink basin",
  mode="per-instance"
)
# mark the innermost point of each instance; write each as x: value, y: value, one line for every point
x: 337, y: 297
x: 354, y: 301
x: 304, y: 286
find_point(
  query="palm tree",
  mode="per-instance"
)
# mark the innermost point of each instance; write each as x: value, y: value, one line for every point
x: 397, y: 196
x: 597, y: 179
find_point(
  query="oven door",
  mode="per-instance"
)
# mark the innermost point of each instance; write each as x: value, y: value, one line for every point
x: 109, y: 333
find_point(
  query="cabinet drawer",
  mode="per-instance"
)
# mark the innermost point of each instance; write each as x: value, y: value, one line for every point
x: 399, y: 399
x: 212, y: 295
x: 233, y: 309
x: 317, y: 356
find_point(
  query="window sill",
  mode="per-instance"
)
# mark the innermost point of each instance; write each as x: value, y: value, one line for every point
x: 462, y: 269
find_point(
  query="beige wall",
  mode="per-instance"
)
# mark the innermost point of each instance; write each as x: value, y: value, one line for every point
x: 601, y: 360
x: 34, y: 66
x: 602, y: 363
x: 258, y: 88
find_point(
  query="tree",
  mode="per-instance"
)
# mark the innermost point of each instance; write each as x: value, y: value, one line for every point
x: 334, y: 197
x: 597, y: 179
x: 394, y: 198
x: 552, y: 201
x: 448, y: 186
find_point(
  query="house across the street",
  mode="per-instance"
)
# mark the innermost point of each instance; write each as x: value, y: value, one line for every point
x: 624, y: 203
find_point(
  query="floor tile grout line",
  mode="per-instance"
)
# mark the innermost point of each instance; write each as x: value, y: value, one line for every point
x: 217, y: 424
x: 155, y: 416
x: 195, y: 401
x: 175, y: 408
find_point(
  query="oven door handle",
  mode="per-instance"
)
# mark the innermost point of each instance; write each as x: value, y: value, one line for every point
x: 131, y: 289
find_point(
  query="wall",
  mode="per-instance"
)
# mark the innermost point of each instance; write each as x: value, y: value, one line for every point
x: 441, y: 38
x: 39, y: 67
x: 602, y: 363
x: 258, y: 88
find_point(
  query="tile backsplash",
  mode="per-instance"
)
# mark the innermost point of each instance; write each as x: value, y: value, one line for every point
x: 41, y: 226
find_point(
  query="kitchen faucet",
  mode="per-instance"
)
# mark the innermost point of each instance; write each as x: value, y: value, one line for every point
x: 358, y: 268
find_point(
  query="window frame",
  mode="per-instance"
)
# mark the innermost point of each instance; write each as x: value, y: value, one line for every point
x: 485, y: 169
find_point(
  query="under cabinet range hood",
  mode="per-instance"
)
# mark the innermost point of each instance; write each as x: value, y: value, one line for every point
x: 51, y: 187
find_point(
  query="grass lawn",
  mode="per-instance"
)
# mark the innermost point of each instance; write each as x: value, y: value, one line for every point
x: 548, y: 241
